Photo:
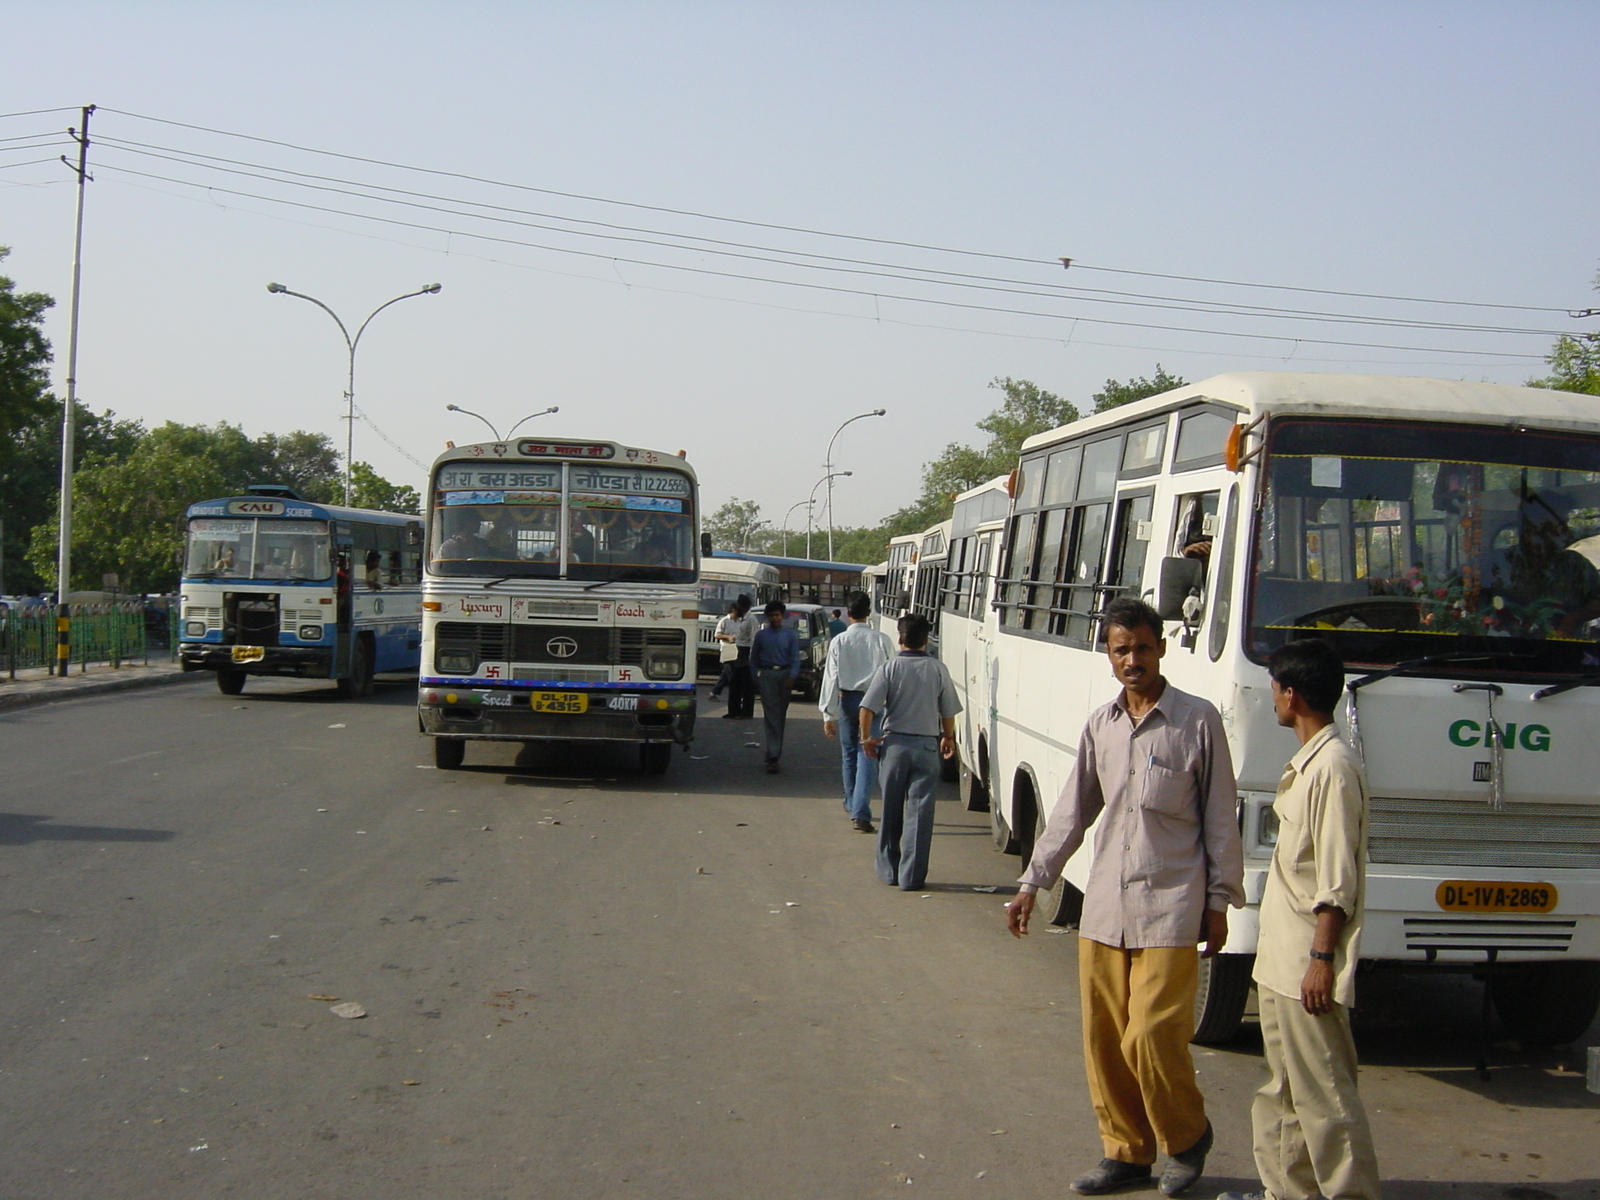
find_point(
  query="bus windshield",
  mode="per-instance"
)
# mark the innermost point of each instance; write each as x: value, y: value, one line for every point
x: 251, y: 548
x: 1399, y: 540
x: 620, y: 522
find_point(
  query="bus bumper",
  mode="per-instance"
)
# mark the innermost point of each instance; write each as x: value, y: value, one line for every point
x: 501, y: 714
x: 309, y: 661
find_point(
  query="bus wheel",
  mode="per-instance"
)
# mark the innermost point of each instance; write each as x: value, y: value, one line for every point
x: 449, y: 753
x: 229, y: 682
x: 973, y: 792
x: 655, y: 757
x: 1219, y: 999
x: 359, y: 681
x: 1547, y: 1004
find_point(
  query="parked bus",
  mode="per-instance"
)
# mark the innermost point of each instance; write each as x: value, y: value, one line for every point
x: 814, y: 580
x: 724, y: 577
x: 895, y: 578
x: 274, y: 584
x: 928, y: 579
x: 1442, y: 537
x: 561, y: 597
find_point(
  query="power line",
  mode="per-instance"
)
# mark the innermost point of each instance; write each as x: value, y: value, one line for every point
x: 851, y: 266
x: 39, y: 112
x: 815, y: 232
x: 803, y: 284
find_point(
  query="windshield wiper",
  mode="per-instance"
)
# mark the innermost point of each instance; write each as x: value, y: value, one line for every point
x: 635, y: 576
x: 1577, y: 681
x: 1412, y: 664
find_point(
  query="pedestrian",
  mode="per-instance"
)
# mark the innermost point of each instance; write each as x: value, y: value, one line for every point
x: 741, y: 686
x: 775, y: 661
x: 1153, y: 767
x: 916, y: 699
x: 854, y: 656
x: 1311, y: 1132
x: 727, y: 649
x: 836, y: 625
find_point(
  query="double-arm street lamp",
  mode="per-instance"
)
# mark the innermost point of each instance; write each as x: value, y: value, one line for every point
x: 554, y: 408
x: 828, y: 466
x: 826, y: 479
x: 786, y: 516
x: 351, y: 343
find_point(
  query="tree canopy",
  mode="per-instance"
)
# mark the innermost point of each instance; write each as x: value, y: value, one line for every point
x: 1117, y: 393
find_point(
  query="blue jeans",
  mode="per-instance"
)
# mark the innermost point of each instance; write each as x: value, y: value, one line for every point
x: 910, y: 775
x: 860, y: 772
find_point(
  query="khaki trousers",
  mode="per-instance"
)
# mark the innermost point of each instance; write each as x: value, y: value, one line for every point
x: 1138, y: 1017
x: 1311, y: 1133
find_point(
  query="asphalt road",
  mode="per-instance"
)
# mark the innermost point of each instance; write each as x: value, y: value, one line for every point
x: 581, y: 982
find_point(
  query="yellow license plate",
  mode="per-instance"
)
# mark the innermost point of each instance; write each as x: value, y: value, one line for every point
x: 1490, y: 896
x: 560, y: 702
x: 248, y: 654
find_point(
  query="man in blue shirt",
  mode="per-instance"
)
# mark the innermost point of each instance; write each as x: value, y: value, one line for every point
x: 775, y: 661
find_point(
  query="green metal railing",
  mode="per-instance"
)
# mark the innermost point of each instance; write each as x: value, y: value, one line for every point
x: 118, y: 633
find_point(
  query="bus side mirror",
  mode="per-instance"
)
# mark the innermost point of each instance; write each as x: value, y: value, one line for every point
x: 1179, y: 577
x: 705, y: 545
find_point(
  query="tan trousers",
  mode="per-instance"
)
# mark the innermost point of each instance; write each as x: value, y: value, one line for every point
x: 1138, y: 1017
x: 1311, y: 1133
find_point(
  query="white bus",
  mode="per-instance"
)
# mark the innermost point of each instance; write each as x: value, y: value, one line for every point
x: 1442, y: 537
x: 723, y: 579
x: 928, y: 579
x: 893, y: 580
x: 561, y: 599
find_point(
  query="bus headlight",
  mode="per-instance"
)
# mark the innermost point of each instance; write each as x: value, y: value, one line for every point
x: 661, y: 665
x: 311, y: 633
x: 194, y: 629
x: 455, y: 662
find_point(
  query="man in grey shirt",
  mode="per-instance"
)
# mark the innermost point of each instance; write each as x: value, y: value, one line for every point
x: 917, y: 700
x: 1154, y: 779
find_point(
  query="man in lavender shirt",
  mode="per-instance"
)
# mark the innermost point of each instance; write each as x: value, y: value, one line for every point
x: 1154, y: 778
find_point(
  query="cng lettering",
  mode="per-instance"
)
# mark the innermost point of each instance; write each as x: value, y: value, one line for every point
x: 1529, y: 737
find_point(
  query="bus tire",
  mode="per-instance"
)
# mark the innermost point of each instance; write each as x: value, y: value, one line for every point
x: 449, y: 753
x: 359, y: 682
x: 655, y: 757
x: 974, y: 793
x: 1220, y: 997
x: 1547, y: 1003
x: 230, y: 682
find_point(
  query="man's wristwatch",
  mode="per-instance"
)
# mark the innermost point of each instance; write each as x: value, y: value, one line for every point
x: 1321, y: 957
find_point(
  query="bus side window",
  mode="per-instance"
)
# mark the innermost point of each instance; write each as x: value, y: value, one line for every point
x: 1227, y: 552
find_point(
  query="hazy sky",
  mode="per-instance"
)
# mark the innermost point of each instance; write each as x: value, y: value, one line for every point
x: 1441, y: 151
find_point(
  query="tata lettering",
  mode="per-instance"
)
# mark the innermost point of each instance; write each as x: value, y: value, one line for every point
x: 1531, y: 737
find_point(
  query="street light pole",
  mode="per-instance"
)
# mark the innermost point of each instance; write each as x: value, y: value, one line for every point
x: 351, y: 343
x: 826, y: 479
x: 542, y: 412
x: 786, y: 517
x: 828, y: 466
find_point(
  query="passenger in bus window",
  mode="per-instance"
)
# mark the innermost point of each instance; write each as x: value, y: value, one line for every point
x: 1154, y: 777
x: 463, y: 541
x: 373, y: 571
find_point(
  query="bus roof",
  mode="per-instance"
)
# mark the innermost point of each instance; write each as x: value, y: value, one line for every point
x: 564, y: 449
x: 1358, y: 396
x: 778, y: 561
x: 258, y: 505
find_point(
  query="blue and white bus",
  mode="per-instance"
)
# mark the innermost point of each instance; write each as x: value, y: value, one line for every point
x: 274, y: 584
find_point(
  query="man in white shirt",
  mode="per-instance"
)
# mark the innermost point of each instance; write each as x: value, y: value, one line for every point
x: 741, y: 687
x: 853, y: 658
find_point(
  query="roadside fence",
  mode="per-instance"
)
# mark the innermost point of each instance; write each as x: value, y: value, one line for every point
x: 117, y: 633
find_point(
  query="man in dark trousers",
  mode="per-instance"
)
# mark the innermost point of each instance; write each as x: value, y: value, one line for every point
x: 1153, y: 776
x: 741, y: 683
x: 916, y: 698
x: 775, y: 661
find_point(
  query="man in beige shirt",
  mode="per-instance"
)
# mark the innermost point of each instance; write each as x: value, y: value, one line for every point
x: 1154, y: 778
x: 1311, y: 1133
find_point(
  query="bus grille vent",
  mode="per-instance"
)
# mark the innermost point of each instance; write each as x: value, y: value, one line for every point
x: 561, y: 674
x: 488, y: 642
x: 1468, y: 833
x: 563, y: 608
x: 632, y: 643
x: 211, y: 615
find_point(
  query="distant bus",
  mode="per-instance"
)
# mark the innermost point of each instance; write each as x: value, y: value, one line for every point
x: 895, y: 578
x: 561, y: 599
x: 813, y: 580
x: 274, y: 584
x: 723, y: 579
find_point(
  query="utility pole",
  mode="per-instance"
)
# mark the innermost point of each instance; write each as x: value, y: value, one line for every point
x: 69, y: 411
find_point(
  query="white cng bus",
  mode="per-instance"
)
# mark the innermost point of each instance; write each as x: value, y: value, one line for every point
x: 723, y: 579
x: 893, y: 580
x: 561, y: 599
x: 1443, y: 537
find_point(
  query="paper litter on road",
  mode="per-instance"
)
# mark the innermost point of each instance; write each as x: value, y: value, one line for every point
x: 989, y: 888
x: 340, y: 725
x: 324, y: 999
x: 349, y: 1010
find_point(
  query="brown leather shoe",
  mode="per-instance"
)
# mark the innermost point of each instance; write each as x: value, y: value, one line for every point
x: 862, y: 825
x: 1110, y: 1175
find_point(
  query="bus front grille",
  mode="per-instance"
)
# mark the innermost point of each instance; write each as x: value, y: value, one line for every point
x: 555, y: 651
x: 1468, y: 833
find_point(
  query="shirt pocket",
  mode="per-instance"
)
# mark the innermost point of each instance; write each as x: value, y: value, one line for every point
x: 1170, y: 793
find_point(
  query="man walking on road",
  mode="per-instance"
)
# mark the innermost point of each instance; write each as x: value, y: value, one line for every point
x: 1153, y: 767
x: 916, y: 698
x: 775, y: 661
x: 1311, y: 1133
x: 741, y: 683
x: 853, y: 658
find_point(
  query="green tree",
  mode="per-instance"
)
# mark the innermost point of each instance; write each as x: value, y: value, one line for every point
x: 368, y: 489
x: 1574, y: 362
x: 24, y: 406
x: 306, y: 462
x: 1115, y: 393
x: 737, y: 525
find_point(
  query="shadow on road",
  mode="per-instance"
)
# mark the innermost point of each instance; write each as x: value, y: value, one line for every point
x: 22, y: 829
